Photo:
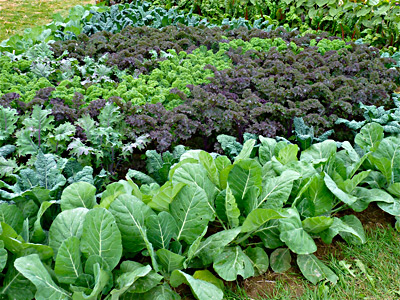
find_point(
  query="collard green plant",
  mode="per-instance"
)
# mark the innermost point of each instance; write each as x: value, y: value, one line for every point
x: 267, y: 193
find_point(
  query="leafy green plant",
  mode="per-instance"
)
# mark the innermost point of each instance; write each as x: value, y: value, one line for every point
x: 388, y: 118
x: 237, y: 217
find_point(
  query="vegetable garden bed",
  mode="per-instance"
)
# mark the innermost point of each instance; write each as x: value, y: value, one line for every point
x: 102, y: 195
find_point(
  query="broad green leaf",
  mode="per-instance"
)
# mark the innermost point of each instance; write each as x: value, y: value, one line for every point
x: 280, y: 260
x: 270, y: 235
x: 201, y: 289
x: 233, y: 262
x: 3, y: 256
x: 226, y: 208
x: 288, y: 154
x: 261, y: 216
x: 78, y: 194
x: 314, y: 270
x: 12, y: 241
x: 130, y: 214
x: 142, y: 284
x: 221, y: 162
x: 267, y: 149
x: 68, y: 223
x: 392, y: 208
x: 208, y: 163
x: 161, y: 292
x: 16, y: 286
x: 32, y: 268
x: 161, y: 229
x: 126, y: 280
x: 246, y: 150
x: 101, y: 279
x: 340, y: 194
x: 318, y: 197
x: 112, y: 191
x: 165, y: 195
x: 192, y: 251
x: 215, y: 244
x: 294, y: 236
x: 315, y: 225
x: 340, y: 226
x: 206, y: 275
x: 16, y: 245
x: 170, y: 260
x: 366, y: 196
x: 394, y: 189
x: 92, y: 261
x: 277, y: 190
x: 223, y: 176
x: 350, y: 237
x: 181, y: 163
x: 191, y: 212
x: 195, y: 175
x: 11, y: 215
x: 350, y: 184
x: 68, y: 265
x: 244, y: 175
x: 387, y: 159
x: 319, y: 153
x: 369, y: 137
x: 101, y: 236
x: 259, y: 259
x: 38, y: 234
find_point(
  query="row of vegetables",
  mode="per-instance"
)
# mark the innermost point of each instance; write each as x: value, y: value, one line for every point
x: 102, y: 195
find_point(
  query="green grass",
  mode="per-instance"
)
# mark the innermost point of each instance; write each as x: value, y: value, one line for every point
x: 370, y: 271
x: 17, y: 15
